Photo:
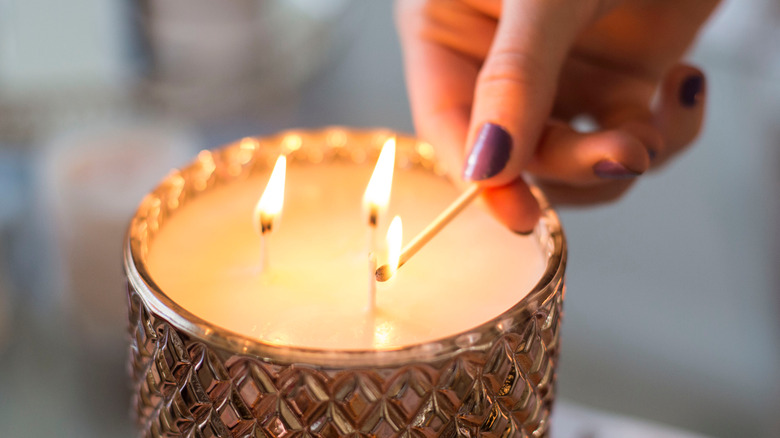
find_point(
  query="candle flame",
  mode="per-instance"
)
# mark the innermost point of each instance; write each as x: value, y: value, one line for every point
x: 394, y: 241
x: 270, y: 204
x: 377, y: 193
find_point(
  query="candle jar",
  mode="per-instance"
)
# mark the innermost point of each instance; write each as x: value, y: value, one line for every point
x: 194, y: 378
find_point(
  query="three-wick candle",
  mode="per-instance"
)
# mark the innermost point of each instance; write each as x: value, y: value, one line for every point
x: 207, y: 260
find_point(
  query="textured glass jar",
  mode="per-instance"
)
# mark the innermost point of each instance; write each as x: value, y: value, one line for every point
x: 192, y: 378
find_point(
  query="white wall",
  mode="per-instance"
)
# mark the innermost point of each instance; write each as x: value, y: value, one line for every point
x: 48, y: 44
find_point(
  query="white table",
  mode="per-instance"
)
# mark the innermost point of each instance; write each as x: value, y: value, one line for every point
x: 571, y: 420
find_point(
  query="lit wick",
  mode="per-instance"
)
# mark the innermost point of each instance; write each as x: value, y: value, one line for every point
x: 377, y: 194
x: 394, y: 239
x: 385, y: 271
x: 269, y: 207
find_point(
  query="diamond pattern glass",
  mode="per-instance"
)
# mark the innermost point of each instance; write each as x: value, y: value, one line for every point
x: 193, y: 379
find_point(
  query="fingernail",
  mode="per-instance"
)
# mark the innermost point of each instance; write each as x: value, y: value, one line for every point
x: 489, y: 154
x: 651, y: 153
x: 691, y: 90
x: 613, y: 170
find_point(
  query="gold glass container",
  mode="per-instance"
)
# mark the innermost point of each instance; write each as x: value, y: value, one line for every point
x: 192, y: 378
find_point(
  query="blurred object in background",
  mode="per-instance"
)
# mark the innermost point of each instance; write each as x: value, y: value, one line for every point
x: 11, y: 208
x: 90, y: 181
x: 47, y: 46
x: 74, y: 63
x: 61, y: 63
x: 213, y: 60
x: 744, y: 36
x: 5, y: 301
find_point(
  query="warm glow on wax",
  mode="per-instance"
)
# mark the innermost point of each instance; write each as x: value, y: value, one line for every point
x: 394, y: 240
x: 270, y: 204
x: 377, y: 194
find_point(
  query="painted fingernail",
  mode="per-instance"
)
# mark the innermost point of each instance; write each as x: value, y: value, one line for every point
x: 489, y: 154
x: 691, y: 90
x: 651, y: 153
x: 613, y: 170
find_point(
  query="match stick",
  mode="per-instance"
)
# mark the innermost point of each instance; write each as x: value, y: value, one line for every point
x: 384, y: 271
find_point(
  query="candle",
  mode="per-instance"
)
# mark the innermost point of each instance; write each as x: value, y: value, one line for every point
x: 206, y: 260
x: 463, y: 337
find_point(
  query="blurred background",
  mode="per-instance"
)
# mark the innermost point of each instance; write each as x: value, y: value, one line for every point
x: 672, y: 308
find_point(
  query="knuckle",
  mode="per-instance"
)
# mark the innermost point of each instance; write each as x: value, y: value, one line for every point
x: 514, y: 67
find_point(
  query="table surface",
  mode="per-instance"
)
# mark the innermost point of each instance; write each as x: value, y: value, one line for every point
x: 571, y: 420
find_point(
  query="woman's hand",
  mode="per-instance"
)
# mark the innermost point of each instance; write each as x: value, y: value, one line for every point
x: 507, y: 77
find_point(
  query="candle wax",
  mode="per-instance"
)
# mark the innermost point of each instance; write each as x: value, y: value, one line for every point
x: 206, y: 258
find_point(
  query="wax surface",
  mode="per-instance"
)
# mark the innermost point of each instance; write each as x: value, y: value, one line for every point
x: 206, y: 258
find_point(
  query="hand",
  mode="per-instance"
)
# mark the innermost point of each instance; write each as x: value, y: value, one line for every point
x: 508, y: 77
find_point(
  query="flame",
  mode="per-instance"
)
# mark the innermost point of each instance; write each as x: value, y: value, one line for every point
x: 377, y: 193
x: 394, y: 239
x: 270, y: 204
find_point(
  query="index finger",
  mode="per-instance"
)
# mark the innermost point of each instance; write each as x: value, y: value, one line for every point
x: 442, y: 69
x: 440, y: 74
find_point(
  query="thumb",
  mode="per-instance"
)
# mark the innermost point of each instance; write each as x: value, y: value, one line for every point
x: 517, y: 83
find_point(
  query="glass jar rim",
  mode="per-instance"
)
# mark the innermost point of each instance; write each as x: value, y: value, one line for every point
x: 152, y: 212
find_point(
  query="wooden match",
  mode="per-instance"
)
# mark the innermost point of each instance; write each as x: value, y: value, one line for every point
x: 385, y: 272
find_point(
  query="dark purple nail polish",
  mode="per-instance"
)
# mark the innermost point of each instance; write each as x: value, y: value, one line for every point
x: 489, y: 154
x: 613, y: 170
x: 651, y: 153
x: 691, y: 90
